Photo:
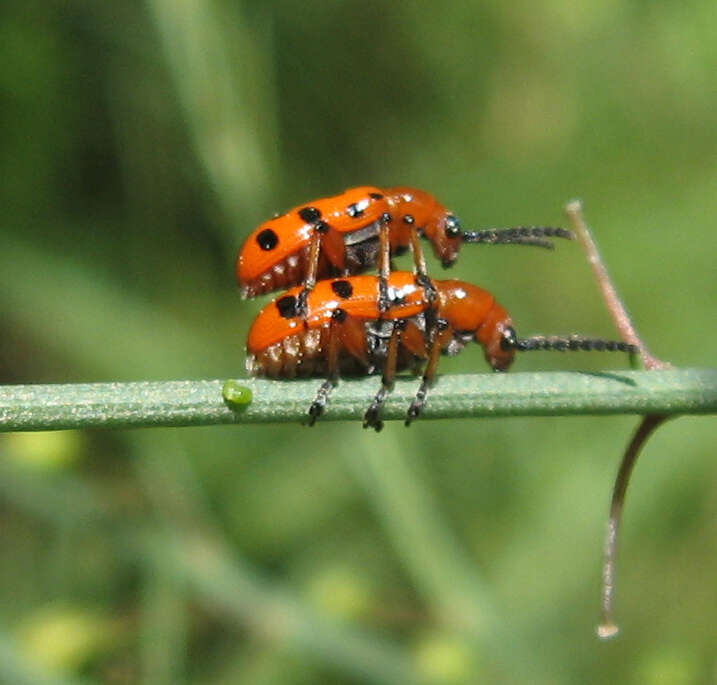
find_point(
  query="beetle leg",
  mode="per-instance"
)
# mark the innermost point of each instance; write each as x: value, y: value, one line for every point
x: 419, y: 260
x: 434, y: 351
x: 384, y: 262
x: 371, y: 417
x: 419, y: 268
x: 312, y: 268
x: 333, y: 348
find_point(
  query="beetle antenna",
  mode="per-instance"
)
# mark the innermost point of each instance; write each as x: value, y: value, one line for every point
x: 519, y: 235
x: 572, y: 343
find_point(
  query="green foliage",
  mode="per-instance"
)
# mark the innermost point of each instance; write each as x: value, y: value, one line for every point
x: 141, y: 142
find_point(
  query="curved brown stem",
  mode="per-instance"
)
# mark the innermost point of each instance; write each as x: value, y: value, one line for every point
x: 623, y: 323
x: 650, y: 422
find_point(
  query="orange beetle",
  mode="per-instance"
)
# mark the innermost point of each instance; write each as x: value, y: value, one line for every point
x: 341, y: 328
x: 358, y: 229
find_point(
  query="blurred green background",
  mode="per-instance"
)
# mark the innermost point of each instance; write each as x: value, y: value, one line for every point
x: 141, y: 142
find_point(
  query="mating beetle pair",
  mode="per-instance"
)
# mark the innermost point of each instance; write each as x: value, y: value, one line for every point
x: 349, y: 324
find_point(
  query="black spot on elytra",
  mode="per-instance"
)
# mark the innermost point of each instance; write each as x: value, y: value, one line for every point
x: 408, y: 219
x: 376, y: 196
x: 267, y: 239
x: 342, y: 288
x: 309, y: 214
x: 321, y: 227
x: 339, y: 315
x: 287, y: 306
x: 354, y: 211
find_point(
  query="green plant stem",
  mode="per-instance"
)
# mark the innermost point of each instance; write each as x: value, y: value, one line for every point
x: 194, y: 403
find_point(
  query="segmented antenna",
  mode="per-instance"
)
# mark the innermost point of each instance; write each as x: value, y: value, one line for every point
x: 562, y: 343
x: 520, y: 235
x: 571, y: 343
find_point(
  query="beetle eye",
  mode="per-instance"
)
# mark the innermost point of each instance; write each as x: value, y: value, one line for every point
x: 509, y: 340
x: 453, y: 227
